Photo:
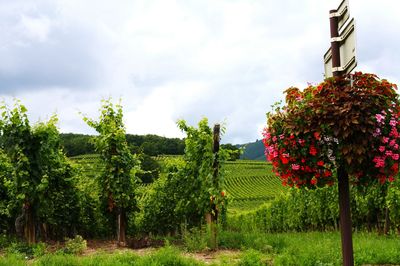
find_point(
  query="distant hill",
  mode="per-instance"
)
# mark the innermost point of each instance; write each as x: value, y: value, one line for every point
x: 253, y: 151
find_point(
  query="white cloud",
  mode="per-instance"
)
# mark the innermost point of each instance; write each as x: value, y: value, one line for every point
x: 226, y: 60
x: 35, y: 29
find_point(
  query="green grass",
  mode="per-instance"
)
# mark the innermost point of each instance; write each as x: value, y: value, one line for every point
x: 307, y: 248
x: 164, y: 256
x: 315, y: 248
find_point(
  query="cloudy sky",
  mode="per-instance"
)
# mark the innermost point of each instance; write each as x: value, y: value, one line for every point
x: 168, y: 60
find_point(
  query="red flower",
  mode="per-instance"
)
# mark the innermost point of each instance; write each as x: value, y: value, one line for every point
x: 284, y: 160
x: 327, y: 173
x: 313, y: 151
x: 395, y: 167
x: 317, y: 135
x: 314, y: 181
x: 320, y: 163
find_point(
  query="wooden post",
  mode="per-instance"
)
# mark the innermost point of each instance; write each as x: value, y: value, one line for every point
x: 387, y: 222
x: 30, y: 226
x: 343, y: 177
x: 214, y: 212
x: 121, y: 228
x: 216, y: 136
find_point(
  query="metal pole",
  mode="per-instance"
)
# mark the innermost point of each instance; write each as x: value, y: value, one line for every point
x: 343, y: 177
x: 345, y: 217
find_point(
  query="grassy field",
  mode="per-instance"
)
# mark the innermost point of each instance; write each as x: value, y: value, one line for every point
x: 248, y: 183
x: 236, y: 248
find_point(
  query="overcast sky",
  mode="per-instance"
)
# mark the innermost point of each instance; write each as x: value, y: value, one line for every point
x: 168, y: 60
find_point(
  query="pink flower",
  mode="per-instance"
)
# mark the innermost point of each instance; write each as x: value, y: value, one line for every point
x: 295, y: 166
x: 385, y: 139
x: 377, y: 132
x: 396, y: 146
x: 381, y: 148
x: 379, y: 162
x: 379, y: 118
x: 274, y: 138
x: 281, y: 136
x: 395, y: 156
x: 388, y: 153
x: 392, y: 142
x: 393, y: 123
x: 394, y: 133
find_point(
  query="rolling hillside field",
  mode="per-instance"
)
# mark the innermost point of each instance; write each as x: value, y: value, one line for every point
x: 251, y: 183
x: 248, y: 183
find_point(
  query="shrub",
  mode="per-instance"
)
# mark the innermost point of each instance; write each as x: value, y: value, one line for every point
x: 75, y: 245
x: 251, y: 257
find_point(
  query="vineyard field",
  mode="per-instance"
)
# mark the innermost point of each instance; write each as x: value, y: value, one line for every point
x: 251, y: 184
x: 248, y: 183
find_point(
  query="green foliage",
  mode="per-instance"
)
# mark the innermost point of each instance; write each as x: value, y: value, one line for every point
x: 150, y: 167
x: 76, y: 245
x: 18, y: 143
x: 5, y: 197
x: 39, y: 249
x: 76, y: 144
x: 196, y: 239
x: 41, y: 180
x: 393, y: 203
x: 166, y: 205
x: 233, y: 151
x: 58, y: 200
x: 187, y: 189
x: 251, y: 257
x: 14, y: 260
x: 24, y: 250
x: 168, y: 256
x: 117, y: 180
x: 154, y: 145
x: 317, y: 209
x: 199, y: 158
x: 92, y: 219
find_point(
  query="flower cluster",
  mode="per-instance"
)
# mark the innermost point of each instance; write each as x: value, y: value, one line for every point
x: 387, y: 153
x: 299, y: 161
x: 350, y: 122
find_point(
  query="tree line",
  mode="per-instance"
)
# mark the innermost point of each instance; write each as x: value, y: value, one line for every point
x: 152, y: 145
